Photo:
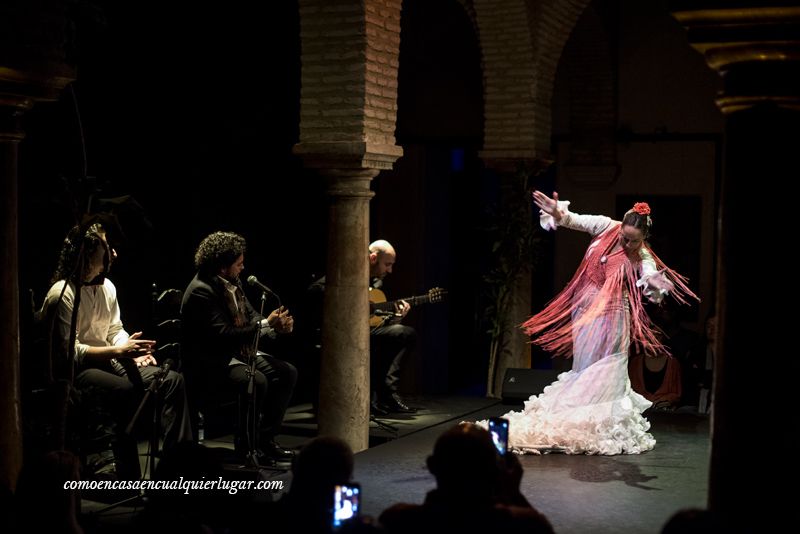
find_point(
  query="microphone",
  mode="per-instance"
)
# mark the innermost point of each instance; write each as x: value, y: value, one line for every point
x: 253, y: 281
x: 158, y: 378
x: 168, y: 364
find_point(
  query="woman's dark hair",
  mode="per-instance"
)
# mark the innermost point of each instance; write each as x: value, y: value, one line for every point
x: 639, y: 221
x: 89, y: 240
x: 217, y: 251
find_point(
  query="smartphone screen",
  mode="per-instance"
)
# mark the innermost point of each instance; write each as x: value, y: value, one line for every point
x: 498, y: 429
x: 346, y: 499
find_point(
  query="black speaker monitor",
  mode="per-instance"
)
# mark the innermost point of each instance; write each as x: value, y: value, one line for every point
x: 519, y: 384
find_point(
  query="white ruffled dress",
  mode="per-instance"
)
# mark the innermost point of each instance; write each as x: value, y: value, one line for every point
x: 590, y: 409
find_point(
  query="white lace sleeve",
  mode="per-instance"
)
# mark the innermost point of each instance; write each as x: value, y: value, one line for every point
x: 648, y: 272
x: 547, y: 221
x: 593, y: 224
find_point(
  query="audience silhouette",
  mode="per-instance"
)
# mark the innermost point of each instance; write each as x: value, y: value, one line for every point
x: 476, y: 491
x: 41, y: 503
x: 307, y: 507
x: 190, y: 511
x: 691, y: 521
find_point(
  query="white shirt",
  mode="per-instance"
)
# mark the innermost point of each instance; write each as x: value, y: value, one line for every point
x: 99, y: 322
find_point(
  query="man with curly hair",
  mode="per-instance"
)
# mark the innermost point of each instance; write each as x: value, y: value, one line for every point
x: 219, y: 329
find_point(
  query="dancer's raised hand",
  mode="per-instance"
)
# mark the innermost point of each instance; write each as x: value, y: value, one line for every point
x: 547, y: 204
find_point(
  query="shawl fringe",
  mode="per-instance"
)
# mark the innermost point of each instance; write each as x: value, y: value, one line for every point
x: 553, y: 327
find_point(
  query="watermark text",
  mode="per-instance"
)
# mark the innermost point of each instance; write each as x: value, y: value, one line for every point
x: 231, y: 486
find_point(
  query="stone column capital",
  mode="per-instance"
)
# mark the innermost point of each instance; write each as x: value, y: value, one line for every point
x: 348, y: 155
x: 20, y: 90
x: 755, y: 49
x: 349, y: 183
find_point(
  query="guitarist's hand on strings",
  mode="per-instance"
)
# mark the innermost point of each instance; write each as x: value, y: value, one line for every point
x: 402, y: 308
x: 281, y: 321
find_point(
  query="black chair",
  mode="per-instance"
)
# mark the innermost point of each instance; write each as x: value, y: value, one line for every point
x: 167, y: 323
x: 89, y: 430
x: 211, y: 413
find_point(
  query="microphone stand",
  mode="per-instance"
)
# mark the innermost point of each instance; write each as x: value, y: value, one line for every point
x: 251, y: 427
x: 155, y: 435
x: 383, y: 424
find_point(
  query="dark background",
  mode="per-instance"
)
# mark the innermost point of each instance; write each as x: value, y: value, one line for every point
x: 193, y: 111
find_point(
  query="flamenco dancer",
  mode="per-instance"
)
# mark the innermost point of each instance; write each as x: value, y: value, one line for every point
x: 592, y: 409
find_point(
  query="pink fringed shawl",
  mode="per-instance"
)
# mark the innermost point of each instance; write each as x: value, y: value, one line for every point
x: 600, y: 289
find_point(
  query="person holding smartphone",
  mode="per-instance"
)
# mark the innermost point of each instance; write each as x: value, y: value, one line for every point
x: 322, y: 497
x: 477, y: 490
x: 346, y: 504
x: 498, y: 429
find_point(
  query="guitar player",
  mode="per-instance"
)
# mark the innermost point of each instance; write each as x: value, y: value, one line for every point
x: 389, y: 340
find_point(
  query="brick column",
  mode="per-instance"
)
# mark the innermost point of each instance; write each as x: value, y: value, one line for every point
x: 756, y: 51
x: 348, y: 108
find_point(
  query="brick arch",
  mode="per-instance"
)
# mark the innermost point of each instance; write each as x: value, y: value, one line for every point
x: 469, y: 8
x: 589, y: 62
x: 551, y: 22
x: 521, y: 42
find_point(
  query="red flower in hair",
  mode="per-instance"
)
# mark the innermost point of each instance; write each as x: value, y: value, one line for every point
x: 641, y: 208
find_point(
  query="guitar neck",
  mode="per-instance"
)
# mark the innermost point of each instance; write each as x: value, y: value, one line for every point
x: 419, y: 299
x: 390, y: 305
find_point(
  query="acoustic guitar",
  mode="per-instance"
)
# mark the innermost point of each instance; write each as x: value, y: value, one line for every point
x: 380, y: 309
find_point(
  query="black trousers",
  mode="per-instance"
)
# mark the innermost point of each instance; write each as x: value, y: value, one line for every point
x: 388, y: 345
x: 273, y: 385
x: 121, y: 394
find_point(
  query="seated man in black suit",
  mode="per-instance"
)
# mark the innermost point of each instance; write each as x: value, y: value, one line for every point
x: 219, y: 329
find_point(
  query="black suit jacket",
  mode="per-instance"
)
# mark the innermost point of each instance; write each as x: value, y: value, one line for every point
x: 209, y: 337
